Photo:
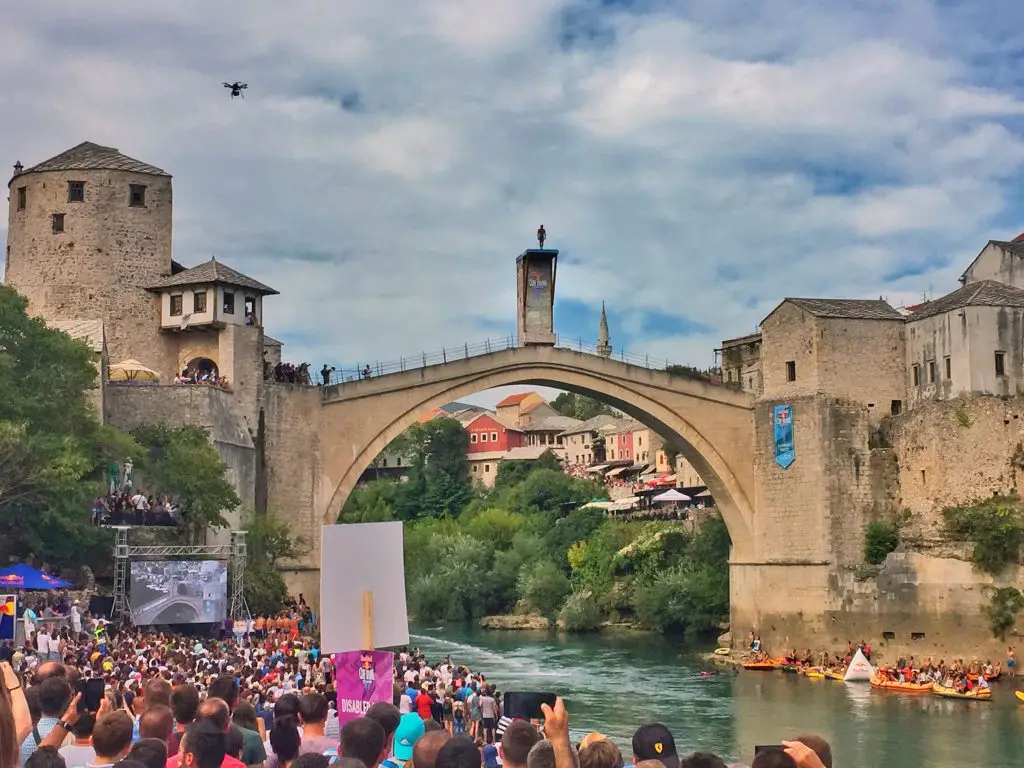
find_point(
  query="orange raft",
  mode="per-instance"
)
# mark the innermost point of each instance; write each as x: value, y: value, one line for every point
x: 892, y: 685
x: 760, y: 666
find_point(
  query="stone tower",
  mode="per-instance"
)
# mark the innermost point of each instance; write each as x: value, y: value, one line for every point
x: 604, y: 347
x: 535, y: 281
x: 88, y: 231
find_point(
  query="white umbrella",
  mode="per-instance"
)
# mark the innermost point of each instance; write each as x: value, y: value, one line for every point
x: 671, y: 495
x: 132, y: 370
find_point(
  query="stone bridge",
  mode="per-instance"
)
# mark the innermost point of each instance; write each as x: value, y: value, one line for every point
x: 150, y: 612
x: 712, y: 426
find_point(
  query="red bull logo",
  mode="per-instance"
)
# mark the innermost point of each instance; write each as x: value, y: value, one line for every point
x: 11, y: 579
x: 7, y: 607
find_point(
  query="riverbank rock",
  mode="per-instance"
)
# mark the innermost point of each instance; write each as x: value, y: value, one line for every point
x: 515, y: 622
x: 725, y: 641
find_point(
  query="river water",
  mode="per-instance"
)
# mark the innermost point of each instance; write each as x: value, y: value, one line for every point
x: 614, y: 684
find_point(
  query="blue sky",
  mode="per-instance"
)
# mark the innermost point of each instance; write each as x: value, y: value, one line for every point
x: 694, y: 161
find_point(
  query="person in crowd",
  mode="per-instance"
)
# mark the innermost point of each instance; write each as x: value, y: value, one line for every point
x: 424, y: 754
x: 600, y: 754
x: 46, y: 757
x: 152, y: 753
x: 655, y: 742
x: 80, y: 752
x: 408, y: 732
x: 111, y: 738
x: 184, y: 705
x: 364, y: 739
x: 53, y: 693
x: 285, y: 741
x: 696, y: 760
x: 205, y: 745
x: 458, y: 752
x: 157, y: 722
x: 516, y: 743
x: 225, y: 687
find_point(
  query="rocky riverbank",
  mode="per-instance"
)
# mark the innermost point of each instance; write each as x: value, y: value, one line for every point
x: 534, y: 622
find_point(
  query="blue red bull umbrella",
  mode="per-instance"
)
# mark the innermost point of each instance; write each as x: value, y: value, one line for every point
x: 23, y: 576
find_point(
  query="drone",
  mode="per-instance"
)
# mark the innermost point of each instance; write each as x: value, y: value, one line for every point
x: 236, y: 89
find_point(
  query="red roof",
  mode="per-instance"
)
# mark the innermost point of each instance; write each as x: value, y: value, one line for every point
x: 1019, y: 238
x: 531, y: 406
x: 514, y: 399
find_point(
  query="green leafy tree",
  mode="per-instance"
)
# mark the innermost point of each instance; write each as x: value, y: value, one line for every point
x: 544, y: 588
x: 439, y: 477
x: 512, y: 472
x: 995, y: 526
x: 269, y: 541
x: 182, y: 463
x: 52, y: 447
x: 581, y: 407
x: 880, y: 538
x: 688, y: 372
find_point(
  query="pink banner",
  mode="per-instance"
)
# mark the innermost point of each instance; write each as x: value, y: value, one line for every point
x: 363, y: 678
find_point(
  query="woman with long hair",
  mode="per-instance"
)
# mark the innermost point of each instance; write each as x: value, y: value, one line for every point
x: 15, y: 718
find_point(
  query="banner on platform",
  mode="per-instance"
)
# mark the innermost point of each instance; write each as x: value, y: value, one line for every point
x: 363, y: 678
x: 8, y: 616
x: 782, y: 420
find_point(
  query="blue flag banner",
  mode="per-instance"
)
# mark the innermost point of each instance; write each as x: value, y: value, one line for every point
x: 782, y: 420
x: 8, y: 616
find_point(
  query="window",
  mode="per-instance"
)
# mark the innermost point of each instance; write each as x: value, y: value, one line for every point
x: 896, y: 407
x: 917, y: 375
x: 384, y: 462
x: 176, y: 305
x: 791, y: 370
x: 199, y: 302
x: 483, y: 437
x: 57, y: 222
x: 494, y: 437
x: 137, y: 195
x: 22, y: 198
x: 229, y: 303
x: 250, y: 306
x: 76, y: 191
x: 1000, y: 363
x: 947, y: 367
x: 487, y: 467
x: 931, y: 371
x: 639, y: 440
x: 472, y: 437
x: 475, y: 468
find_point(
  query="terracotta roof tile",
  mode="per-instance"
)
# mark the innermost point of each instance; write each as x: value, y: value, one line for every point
x: 514, y: 399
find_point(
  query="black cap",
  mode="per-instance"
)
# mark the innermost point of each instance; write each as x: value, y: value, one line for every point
x: 655, y: 742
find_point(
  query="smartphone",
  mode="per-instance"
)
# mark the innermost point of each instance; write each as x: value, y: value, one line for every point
x: 92, y: 691
x: 526, y: 706
x: 768, y: 748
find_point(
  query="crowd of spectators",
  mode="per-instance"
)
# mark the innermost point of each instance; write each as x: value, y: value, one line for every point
x: 134, y: 507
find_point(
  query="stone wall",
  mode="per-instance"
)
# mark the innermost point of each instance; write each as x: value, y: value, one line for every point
x: 129, y: 406
x: 291, y: 415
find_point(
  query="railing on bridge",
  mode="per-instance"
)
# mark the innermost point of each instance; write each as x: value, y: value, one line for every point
x: 486, y: 347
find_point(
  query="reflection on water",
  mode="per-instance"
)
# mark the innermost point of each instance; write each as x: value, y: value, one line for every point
x: 614, y: 684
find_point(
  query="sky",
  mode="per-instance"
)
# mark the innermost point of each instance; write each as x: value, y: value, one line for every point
x: 694, y: 162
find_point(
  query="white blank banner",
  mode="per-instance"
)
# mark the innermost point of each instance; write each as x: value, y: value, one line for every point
x: 355, y: 559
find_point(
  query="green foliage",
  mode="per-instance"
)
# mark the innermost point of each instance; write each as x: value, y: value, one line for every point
x: 182, y: 463
x: 687, y: 372
x: 547, y: 491
x: 995, y: 526
x: 374, y: 502
x: 268, y: 542
x: 963, y: 418
x: 1004, y: 606
x: 581, y: 613
x: 575, y: 527
x: 581, y: 407
x: 52, y: 448
x: 880, y: 538
x: 544, y: 588
x: 512, y: 472
x: 496, y: 526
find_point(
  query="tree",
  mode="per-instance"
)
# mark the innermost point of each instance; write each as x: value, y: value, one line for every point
x: 512, y: 472
x: 52, y: 446
x: 581, y: 407
x: 439, y: 477
x: 268, y: 541
x: 687, y: 372
x: 183, y: 464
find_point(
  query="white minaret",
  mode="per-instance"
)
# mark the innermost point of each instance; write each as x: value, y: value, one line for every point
x: 604, y: 347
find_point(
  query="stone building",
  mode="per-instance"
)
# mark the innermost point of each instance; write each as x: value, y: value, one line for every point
x: 740, y: 362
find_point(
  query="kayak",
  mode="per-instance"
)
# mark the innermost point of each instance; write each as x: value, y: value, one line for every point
x: 759, y: 666
x: 1019, y: 695
x: 892, y: 685
x: 814, y: 674
x: 978, y: 694
x: 840, y: 676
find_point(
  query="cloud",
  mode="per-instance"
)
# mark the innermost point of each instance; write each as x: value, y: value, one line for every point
x: 694, y: 162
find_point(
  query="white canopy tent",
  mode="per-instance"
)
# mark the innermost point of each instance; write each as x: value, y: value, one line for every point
x: 671, y: 495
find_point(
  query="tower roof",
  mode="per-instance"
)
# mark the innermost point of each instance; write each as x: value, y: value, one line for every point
x: 88, y: 156
x: 213, y: 272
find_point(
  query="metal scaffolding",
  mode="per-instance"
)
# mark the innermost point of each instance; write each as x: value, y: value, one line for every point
x: 124, y: 553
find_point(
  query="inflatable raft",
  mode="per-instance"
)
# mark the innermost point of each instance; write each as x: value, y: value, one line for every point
x: 760, y: 666
x: 893, y: 685
x: 978, y: 694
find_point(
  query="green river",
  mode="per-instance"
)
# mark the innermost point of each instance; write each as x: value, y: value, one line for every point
x: 614, y: 684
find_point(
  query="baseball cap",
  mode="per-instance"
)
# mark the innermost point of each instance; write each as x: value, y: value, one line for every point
x: 655, y: 742
x: 409, y: 730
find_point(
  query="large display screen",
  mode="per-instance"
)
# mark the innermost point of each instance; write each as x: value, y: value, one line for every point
x: 179, y: 591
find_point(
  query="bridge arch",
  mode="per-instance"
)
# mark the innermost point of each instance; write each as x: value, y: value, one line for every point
x: 711, y: 426
x: 177, y: 612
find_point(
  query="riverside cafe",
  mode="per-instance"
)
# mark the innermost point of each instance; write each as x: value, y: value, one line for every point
x: 15, y: 581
